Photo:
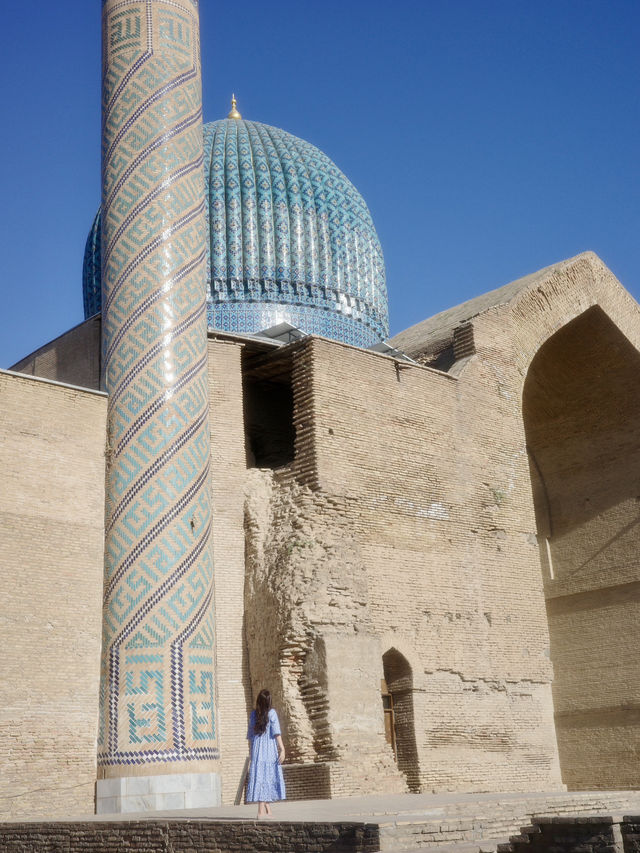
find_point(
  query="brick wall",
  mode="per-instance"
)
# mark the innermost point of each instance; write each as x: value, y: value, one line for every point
x: 52, y: 441
x: 190, y: 837
x: 577, y: 337
x: 309, y: 633
x: 307, y: 781
x: 228, y: 466
x: 631, y: 834
x: 588, y: 834
x: 584, y: 440
x: 437, y: 500
x: 74, y: 357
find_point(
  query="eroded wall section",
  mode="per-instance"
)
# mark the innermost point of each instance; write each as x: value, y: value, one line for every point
x: 445, y: 526
x: 412, y: 527
x: 310, y: 637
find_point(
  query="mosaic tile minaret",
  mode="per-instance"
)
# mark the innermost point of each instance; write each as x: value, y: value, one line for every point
x: 158, y: 702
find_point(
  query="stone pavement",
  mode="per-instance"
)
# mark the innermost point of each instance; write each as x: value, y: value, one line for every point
x: 394, y: 823
x: 382, y: 808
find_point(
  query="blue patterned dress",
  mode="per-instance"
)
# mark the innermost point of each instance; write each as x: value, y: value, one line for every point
x: 266, y: 782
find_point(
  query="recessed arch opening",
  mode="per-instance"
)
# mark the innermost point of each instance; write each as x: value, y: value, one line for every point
x: 581, y: 402
x: 399, y: 713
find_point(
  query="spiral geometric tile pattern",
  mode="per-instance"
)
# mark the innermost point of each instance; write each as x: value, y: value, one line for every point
x: 289, y: 238
x: 157, y: 687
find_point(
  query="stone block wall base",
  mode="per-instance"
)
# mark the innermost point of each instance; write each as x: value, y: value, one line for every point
x: 166, y: 792
x: 331, y: 779
x: 310, y: 781
x: 353, y: 777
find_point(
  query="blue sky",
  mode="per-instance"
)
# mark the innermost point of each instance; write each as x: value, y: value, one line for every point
x: 490, y: 138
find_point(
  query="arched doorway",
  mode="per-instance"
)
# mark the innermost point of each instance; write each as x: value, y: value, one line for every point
x: 397, y: 699
x: 581, y: 408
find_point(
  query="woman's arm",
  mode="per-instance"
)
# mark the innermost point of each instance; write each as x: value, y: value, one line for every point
x: 281, y: 752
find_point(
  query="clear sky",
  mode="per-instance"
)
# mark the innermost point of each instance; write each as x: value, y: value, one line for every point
x: 490, y: 138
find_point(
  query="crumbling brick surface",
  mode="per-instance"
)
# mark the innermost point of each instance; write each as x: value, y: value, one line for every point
x: 436, y: 500
x: 307, y: 621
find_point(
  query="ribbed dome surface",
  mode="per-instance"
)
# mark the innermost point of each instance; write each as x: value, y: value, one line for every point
x: 291, y: 239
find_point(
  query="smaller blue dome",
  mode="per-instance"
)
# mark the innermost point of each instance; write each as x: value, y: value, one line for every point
x: 290, y: 240
x: 92, y: 270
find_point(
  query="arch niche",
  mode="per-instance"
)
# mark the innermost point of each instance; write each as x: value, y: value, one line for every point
x: 398, y: 678
x: 581, y: 408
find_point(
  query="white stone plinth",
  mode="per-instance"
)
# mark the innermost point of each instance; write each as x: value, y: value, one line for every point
x: 167, y: 792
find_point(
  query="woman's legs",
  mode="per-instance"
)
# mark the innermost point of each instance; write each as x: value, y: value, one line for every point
x: 264, y: 809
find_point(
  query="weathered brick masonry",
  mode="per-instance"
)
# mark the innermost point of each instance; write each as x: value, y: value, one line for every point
x: 557, y: 352
x: 631, y: 834
x: 190, y: 837
x: 587, y: 834
x: 397, y: 510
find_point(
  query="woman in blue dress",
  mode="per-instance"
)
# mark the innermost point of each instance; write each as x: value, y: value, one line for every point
x: 266, y: 782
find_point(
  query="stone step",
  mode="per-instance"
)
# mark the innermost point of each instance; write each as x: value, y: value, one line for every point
x: 479, y: 813
x: 416, y: 836
x: 468, y: 847
x: 483, y: 811
x: 500, y: 827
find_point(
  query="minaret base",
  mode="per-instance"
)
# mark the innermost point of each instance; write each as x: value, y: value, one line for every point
x: 168, y: 792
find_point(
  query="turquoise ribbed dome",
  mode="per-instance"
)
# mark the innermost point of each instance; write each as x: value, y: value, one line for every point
x: 290, y: 239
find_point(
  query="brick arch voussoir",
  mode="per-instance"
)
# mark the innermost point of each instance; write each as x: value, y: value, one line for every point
x: 391, y: 642
x: 571, y: 289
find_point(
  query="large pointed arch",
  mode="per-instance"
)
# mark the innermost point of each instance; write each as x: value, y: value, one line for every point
x: 580, y: 407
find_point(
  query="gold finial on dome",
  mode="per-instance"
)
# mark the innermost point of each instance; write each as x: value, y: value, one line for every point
x: 234, y: 112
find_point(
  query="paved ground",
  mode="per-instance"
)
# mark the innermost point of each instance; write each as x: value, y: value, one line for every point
x: 371, y: 809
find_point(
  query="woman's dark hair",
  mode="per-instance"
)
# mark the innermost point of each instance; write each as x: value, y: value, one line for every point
x: 263, y: 704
